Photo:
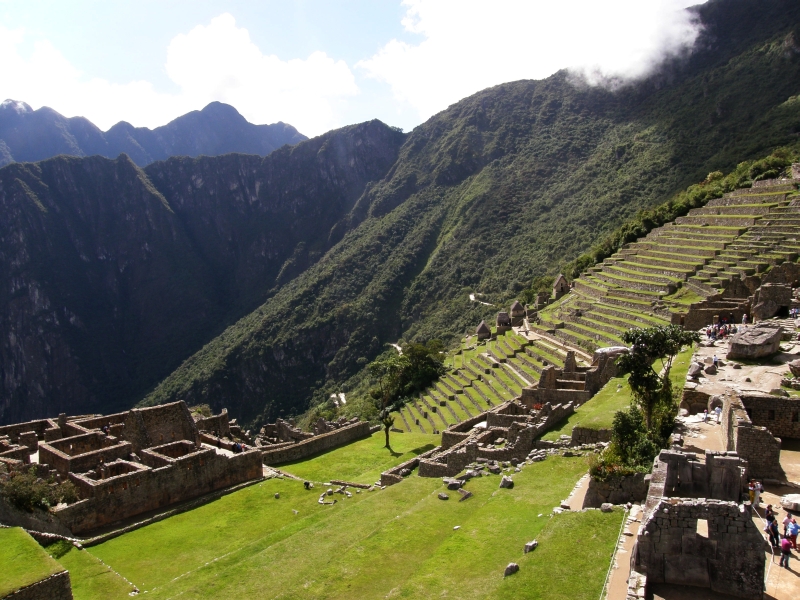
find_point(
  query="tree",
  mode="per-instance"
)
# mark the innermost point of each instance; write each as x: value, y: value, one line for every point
x: 401, y: 375
x: 387, y: 369
x: 651, y: 389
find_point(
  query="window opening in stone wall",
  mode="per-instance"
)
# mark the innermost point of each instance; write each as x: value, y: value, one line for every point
x: 702, y: 527
x: 771, y: 415
x: 795, y: 416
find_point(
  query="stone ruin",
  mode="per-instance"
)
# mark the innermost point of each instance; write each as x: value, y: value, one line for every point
x: 560, y: 287
x: 282, y: 431
x: 128, y: 463
x: 694, y: 531
x: 483, y: 331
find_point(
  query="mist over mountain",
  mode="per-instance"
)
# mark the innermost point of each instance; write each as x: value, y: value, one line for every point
x: 265, y: 284
x: 28, y: 135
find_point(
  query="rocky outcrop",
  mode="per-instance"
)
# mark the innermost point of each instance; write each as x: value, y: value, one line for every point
x: 762, y: 339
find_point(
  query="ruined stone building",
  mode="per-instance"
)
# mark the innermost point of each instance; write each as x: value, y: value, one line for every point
x: 130, y: 463
x: 694, y: 531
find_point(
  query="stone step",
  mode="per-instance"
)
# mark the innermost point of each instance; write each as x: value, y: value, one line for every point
x: 597, y: 336
x: 735, y: 209
x: 674, y: 250
x: 635, y: 284
x: 722, y: 220
x: 627, y: 272
x: 613, y: 328
x: 640, y: 317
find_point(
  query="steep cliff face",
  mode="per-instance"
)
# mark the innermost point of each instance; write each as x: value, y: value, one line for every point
x: 113, y: 275
x: 28, y: 135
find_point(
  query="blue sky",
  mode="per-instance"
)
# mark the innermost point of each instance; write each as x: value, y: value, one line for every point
x: 314, y: 64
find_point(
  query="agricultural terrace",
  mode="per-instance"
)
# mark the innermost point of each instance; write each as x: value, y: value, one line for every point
x: 399, y: 541
x: 23, y: 561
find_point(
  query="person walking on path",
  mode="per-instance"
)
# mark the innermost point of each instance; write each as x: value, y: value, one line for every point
x: 786, y: 520
x: 772, y: 532
x: 718, y: 412
x: 751, y: 489
x: 705, y: 415
x: 758, y: 489
x: 786, y: 552
x: 744, y: 320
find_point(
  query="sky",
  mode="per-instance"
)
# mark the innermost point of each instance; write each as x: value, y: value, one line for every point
x: 316, y: 64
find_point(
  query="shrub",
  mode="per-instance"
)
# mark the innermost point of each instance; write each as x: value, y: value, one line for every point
x: 25, y: 490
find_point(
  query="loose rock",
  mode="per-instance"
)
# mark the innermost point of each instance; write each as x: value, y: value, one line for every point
x: 511, y: 569
x: 443, y: 496
x: 606, y: 507
x: 530, y: 546
x: 506, y: 482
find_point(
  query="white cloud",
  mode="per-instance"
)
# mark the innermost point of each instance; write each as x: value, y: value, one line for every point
x: 470, y: 45
x: 213, y: 62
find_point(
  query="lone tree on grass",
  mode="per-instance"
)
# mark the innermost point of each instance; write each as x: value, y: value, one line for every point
x: 400, y: 375
x: 651, y: 389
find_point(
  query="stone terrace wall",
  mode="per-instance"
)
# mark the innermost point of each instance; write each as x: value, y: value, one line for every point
x: 780, y: 415
x: 393, y: 476
x: 586, y: 435
x: 133, y: 493
x: 316, y: 444
x: 755, y: 444
x: 617, y: 490
x: 55, y: 587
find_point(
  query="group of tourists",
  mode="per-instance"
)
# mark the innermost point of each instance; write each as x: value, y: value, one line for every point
x: 721, y: 330
x: 786, y: 542
x: 717, y: 412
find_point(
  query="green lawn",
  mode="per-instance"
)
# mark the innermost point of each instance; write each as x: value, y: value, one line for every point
x: 22, y: 561
x: 364, y: 460
x: 598, y: 413
x: 90, y: 578
x: 397, y: 542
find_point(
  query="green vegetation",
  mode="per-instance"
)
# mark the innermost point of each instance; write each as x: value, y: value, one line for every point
x: 90, y: 578
x: 634, y: 440
x: 23, y: 561
x: 364, y: 460
x: 495, y: 191
x: 26, y: 490
x: 399, y: 541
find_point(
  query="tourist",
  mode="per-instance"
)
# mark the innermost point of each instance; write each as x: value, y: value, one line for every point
x: 757, y: 495
x: 715, y: 360
x: 705, y: 415
x: 744, y: 320
x: 787, y: 519
x: 786, y: 552
x: 769, y: 514
x: 718, y: 412
x: 751, y: 489
x: 772, y: 531
x: 794, y: 529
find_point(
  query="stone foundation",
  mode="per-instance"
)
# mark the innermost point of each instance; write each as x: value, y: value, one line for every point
x: 315, y: 444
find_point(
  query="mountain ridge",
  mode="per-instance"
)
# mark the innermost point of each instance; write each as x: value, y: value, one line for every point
x: 28, y: 135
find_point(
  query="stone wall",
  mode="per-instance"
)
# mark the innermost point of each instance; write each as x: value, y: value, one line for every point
x: 616, y: 490
x: 755, y: 444
x: 146, y: 427
x: 393, y: 475
x: 729, y: 558
x: 55, y: 587
x: 82, y: 452
x: 586, y: 435
x: 316, y: 444
x: 780, y: 415
x: 215, y: 424
x: 146, y: 488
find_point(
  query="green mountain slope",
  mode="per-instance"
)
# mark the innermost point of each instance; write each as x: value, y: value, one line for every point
x: 499, y: 188
x: 113, y: 274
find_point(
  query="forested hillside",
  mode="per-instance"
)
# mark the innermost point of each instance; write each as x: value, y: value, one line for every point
x: 501, y: 187
x: 275, y: 280
x: 113, y: 274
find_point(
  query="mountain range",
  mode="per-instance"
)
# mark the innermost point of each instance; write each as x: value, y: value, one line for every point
x: 266, y: 284
x: 28, y: 135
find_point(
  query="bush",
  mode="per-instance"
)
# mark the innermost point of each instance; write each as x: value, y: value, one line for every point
x: 25, y: 490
